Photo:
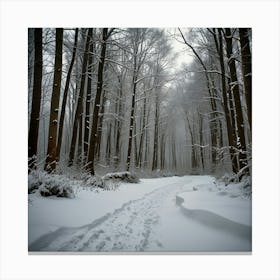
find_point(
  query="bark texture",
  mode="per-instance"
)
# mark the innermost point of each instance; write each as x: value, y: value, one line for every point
x: 36, y: 99
x: 241, y: 144
x: 91, y: 152
x: 51, y: 154
x: 247, y: 69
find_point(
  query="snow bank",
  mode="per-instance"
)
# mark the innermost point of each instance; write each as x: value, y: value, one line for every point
x: 222, y: 208
x: 233, y: 208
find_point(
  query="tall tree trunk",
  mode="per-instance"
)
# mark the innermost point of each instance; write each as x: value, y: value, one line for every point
x: 241, y: 144
x: 174, y: 157
x: 117, y: 147
x: 231, y: 107
x: 90, y: 159
x: 80, y: 142
x: 36, y: 99
x: 193, y: 158
x: 65, y: 94
x: 201, y: 140
x: 139, y: 159
x: 225, y: 103
x: 51, y: 154
x: 155, y: 152
x: 80, y: 104
x: 147, y: 149
x: 89, y: 96
x: 118, y: 123
x: 108, y: 145
x: 247, y: 69
x: 131, y: 124
x: 100, y: 125
x: 162, y: 152
x: 135, y: 143
x: 196, y: 148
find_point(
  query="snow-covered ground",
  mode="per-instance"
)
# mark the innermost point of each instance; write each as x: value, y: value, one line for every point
x: 187, y: 214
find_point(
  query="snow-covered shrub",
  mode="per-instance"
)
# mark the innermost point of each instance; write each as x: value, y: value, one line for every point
x: 34, y: 181
x: 56, y: 190
x: 94, y: 182
x: 227, y: 178
x: 33, y: 186
x: 233, y: 187
x: 100, y: 182
x: 111, y: 185
x: 50, y: 184
x: 167, y: 174
x: 246, y: 186
x: 126, y: 176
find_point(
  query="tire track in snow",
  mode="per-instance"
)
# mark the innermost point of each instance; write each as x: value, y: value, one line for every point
x: 129, y: 228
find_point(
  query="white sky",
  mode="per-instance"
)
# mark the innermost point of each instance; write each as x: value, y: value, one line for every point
x: 183, y: 53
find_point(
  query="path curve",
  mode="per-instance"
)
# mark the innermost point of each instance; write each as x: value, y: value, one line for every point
x: 128, y: 228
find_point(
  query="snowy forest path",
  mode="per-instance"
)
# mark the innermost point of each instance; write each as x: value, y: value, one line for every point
x: 128, y: 228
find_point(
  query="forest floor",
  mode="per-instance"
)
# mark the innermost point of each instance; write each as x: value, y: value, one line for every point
x: 172, y: 214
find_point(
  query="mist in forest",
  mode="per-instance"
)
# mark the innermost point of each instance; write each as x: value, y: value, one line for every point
x: 152, y: 101
x: 139, y: 140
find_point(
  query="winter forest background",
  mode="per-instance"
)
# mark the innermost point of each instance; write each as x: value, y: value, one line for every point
x: 52, y: 213
x: 117, y: 99
x: 139, y: 139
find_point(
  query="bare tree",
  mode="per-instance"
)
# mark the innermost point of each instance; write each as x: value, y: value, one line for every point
x: 65, y: 94
x: 241, y: 144
x: 220, y: 50
x: 50, y: 164
x: 88, y: 97
x: 137, y: 62
x: 247, y: 69
x: 36, y: 99
x: 80, y: 101
x: 90, y: 159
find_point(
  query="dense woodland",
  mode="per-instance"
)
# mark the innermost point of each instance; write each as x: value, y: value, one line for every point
x: 115, y: 99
